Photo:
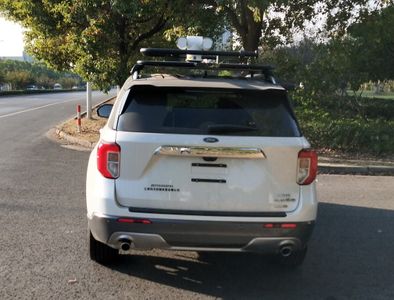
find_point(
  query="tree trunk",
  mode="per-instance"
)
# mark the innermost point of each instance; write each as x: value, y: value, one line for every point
x: 122, y: 47
x: 252, y: 40
x: 252, y: 28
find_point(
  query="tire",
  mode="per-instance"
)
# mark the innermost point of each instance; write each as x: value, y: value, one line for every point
x: 294, y: 260
x: 100, y: 252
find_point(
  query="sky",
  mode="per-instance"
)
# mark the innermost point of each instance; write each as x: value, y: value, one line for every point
x: 11, y: 38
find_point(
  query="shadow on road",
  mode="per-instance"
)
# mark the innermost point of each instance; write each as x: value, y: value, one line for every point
x: 350, y: 256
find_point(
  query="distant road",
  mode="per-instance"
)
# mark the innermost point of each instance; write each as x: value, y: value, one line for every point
x: 13, y: 106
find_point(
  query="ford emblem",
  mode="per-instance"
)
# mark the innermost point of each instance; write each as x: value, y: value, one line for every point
x: 211, y: 140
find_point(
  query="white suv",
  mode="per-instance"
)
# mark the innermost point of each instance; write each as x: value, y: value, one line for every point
x: 201, y: 163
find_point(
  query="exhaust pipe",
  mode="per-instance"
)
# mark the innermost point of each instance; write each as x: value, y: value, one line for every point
x: 125, y: 244
x: 286, y: 250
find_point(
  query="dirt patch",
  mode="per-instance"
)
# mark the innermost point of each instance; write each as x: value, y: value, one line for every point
x: 89, y: 127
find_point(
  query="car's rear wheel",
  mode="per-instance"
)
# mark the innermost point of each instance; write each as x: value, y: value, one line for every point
x: 294, y: 260
x: 100, y: 252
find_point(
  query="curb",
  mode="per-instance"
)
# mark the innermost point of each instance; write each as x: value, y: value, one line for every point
x: 74, y: 140
x: 355, y: 170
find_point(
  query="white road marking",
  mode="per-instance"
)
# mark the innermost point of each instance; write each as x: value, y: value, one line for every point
x: 34, y: 108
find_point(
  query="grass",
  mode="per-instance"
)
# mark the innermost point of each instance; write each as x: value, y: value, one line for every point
x: 349, y: 125
x: 372, y: 94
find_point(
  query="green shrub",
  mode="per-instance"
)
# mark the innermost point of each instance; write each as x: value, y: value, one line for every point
x: 325, y: 130
x: 349, y: 106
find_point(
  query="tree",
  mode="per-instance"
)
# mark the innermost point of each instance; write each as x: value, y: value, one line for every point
x: 19, y: 74
x: 272, y: 23
x: 68, y: 82
x: 2, y: 76
x: 19, y: 79
x: 45, y: 81
x: 321, y: 69
x: 374, y: 44
x: 100, y: 39
x: 97, y: 39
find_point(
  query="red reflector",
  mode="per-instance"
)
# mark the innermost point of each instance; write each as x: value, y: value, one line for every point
x: 126, y: 220
x: 269, y: 225
x: 135, y: 221
x: 289, y: 225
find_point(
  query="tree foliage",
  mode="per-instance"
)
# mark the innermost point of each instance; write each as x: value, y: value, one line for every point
x: 374, y: 44
x: 95, y: 38
x: 320, y: 69
x: 365, y: 54
x: 272, y: 23
x: 2, y: 77
x: 98, y: 39
x: 20, y: 74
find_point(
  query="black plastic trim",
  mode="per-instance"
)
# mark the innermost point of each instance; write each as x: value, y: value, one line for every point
x: 213, y: 234
x: 209, y: 165
x: 181, y: 64
x: 208, y: 180
x: 208, y: 213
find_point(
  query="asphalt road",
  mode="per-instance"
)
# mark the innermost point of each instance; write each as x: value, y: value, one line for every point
x: 43, y: 248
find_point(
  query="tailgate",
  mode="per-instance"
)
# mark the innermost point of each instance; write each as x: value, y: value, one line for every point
x: 168, y: 173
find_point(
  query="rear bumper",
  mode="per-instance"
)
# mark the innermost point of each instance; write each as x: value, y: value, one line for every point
x: 199, y: 235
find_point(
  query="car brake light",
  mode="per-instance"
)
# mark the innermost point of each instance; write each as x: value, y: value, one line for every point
x: 307, y: 166
x: 108, y: 160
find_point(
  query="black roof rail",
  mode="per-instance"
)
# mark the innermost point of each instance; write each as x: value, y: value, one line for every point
x: 253, y: 69
x: 266, y: 70
x: 198, y: 65
x: 166, y: 52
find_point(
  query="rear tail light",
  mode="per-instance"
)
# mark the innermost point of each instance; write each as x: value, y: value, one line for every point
x: 108, y: 160
x: 307, y: 166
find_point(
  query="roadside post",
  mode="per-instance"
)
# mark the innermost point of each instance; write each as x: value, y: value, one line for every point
x: 88, y: 100
x: 79, y: 118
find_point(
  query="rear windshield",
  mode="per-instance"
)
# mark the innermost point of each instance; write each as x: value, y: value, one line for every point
x: 208, y: 111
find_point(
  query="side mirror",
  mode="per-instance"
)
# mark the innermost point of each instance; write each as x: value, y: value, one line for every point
x: 289, y: 86
x: 104, y: 110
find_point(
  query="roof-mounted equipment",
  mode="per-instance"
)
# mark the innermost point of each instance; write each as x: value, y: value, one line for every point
x: 194, y: 53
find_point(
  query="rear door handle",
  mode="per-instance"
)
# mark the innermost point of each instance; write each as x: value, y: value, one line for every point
x: 222, y: 152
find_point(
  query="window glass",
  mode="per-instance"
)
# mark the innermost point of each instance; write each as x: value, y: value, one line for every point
x: 208, y: 111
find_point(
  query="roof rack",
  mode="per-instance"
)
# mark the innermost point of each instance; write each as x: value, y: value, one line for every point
x: 165, y: 52
x: 252, y: 69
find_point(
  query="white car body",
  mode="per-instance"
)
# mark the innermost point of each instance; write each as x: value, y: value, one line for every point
x: 168, y: 195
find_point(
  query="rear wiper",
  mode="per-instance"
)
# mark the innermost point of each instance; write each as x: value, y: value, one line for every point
x: 230, y: 128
